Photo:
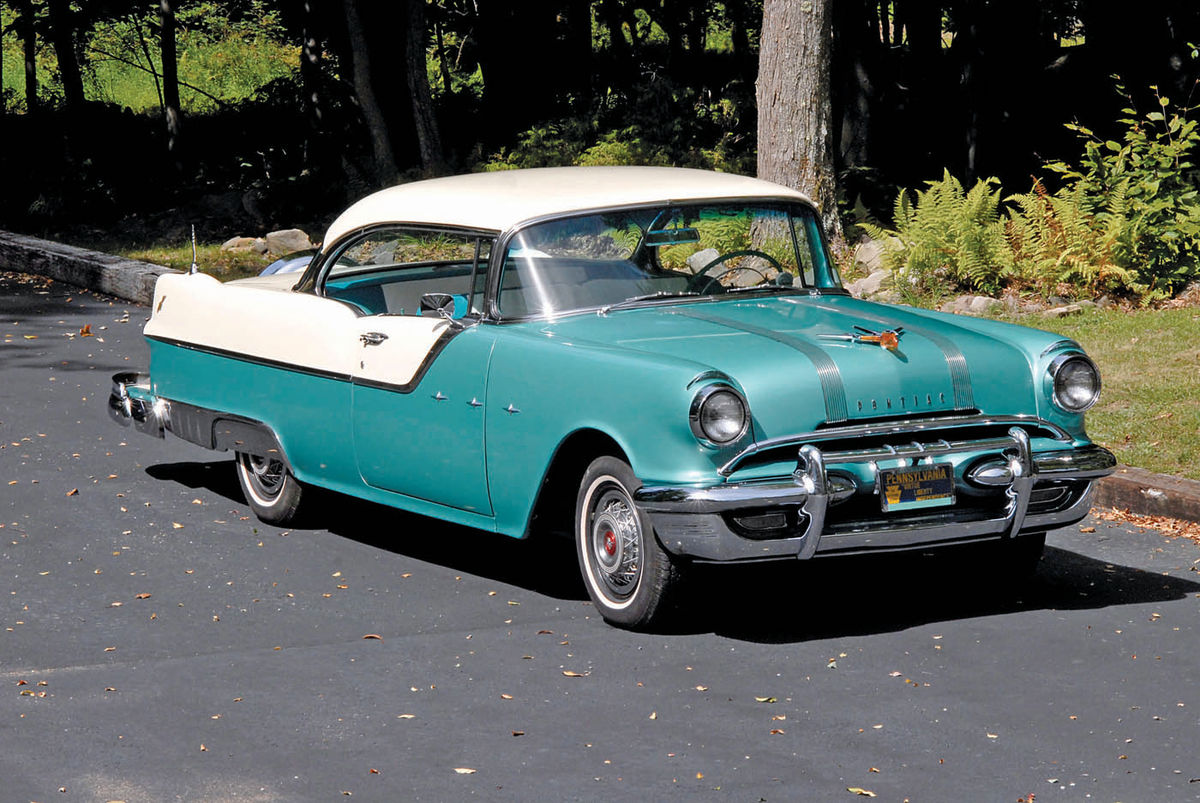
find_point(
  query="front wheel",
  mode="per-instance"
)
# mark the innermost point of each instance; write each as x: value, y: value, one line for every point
x: 629, y: 576
x: 271, y: 490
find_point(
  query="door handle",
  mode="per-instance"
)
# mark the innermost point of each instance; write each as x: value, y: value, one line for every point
x: 372, y: 338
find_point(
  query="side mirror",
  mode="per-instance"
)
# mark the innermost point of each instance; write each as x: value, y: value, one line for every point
x: 444, y: 305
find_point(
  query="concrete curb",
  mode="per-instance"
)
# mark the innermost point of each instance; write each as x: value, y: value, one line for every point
x: 1132, y: 489
x: 1150, y: 494
x: 104, y: 273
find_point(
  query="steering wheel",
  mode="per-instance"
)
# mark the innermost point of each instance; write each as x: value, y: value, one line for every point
x: 694, y: 282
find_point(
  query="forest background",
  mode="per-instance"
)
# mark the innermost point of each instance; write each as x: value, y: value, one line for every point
x: 1035, y: 151
x: 1052, y: 138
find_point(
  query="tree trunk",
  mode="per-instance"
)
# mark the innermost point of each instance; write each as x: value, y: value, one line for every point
x: 856, y: 53
x: 969, y: 59
x: 739, y: 37
x: 795, y: 137
x: 62, y: 36
x: 384, y: 157
x: 310, y: 67
x: 29, y: 42
x: 170, y: 76
x: 608, y: 13
x: 429, y: 141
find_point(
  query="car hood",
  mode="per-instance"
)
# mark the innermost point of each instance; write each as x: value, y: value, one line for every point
x: 795, y: 358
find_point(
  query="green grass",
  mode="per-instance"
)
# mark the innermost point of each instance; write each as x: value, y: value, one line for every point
x: 1149, y: 409
x: 224, y: 265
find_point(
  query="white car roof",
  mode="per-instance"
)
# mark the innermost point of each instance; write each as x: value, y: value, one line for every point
x: 502, y: 199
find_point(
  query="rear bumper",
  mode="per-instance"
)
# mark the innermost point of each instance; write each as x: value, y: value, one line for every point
x: 718, y: 522
x: 132, y: 403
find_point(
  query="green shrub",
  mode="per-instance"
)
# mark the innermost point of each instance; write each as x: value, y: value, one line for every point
x: 1145, y: 189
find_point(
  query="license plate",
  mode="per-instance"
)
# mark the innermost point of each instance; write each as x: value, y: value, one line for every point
x: 917, y: 487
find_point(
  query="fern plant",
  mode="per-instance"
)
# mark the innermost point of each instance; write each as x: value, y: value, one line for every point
x: 1060, y: 247
x: 947, y: 236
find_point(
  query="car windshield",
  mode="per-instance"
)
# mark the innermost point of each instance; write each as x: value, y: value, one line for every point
x: 643, y: 256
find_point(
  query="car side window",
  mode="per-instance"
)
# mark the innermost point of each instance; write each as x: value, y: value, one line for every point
x: 387, y: 270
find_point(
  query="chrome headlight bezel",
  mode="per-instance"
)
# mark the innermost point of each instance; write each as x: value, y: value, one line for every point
x: 1057, y: 380
x: 701, y: 403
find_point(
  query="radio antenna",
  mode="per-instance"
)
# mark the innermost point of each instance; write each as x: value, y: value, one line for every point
x: 195, y: 268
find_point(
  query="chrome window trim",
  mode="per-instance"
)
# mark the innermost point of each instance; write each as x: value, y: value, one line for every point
x: 496, y: 264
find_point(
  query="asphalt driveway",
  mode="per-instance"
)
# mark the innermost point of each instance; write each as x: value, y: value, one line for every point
x: 157, y: 643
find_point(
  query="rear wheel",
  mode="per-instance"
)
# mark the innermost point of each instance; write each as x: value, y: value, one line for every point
x: 271, y: 490
x: 631, y: 579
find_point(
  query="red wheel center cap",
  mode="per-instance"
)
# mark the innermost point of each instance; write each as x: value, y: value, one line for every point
x: 610, y: 543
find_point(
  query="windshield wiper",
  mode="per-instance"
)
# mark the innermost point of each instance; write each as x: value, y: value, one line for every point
x: 634, y: 300
x: 762, y: 287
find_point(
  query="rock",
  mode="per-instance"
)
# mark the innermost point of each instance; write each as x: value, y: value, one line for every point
x: 869, y: 254
x: 1062, y: 312
x: 285, y: 241
x: 238, y: 244
x: 259, y: 246
x: 702, y: 258
x: 981, y: 305
x: 971, y: 305
x: 869, y: 285
x: 1088, y: 304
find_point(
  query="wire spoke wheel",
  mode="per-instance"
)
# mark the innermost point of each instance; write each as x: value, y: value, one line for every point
x: 266, y: 474
x: 616, y: 542
x: 271, y: 490
x: 629, y: 576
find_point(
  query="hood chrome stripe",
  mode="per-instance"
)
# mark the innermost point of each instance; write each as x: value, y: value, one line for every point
x: 960, y: 374
x: 827, y: 370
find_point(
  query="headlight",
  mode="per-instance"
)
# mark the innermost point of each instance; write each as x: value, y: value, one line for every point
x: 719, y: 415
x: 1076, y: 382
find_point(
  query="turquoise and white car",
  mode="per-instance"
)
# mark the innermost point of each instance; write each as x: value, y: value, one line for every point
x: 661, y: 361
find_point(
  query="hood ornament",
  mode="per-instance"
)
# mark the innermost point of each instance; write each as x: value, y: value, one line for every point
x: 888, y: 338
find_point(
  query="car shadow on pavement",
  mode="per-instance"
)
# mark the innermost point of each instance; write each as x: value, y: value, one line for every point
x: 836, y: 597
x: 770, y: 603
x: 541, y: 565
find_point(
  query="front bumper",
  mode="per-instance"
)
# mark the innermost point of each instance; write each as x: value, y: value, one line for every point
x: 1029, y: 492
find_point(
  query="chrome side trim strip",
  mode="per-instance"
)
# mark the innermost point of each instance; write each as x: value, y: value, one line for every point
x: 1059, y: 345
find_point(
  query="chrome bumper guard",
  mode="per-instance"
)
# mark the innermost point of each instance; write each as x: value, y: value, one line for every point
x: 132, y: 402
x: 692, y: 521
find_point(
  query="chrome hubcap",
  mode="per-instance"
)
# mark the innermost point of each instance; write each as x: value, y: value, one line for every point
x: 265, y: 473
x: 616, y: 542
